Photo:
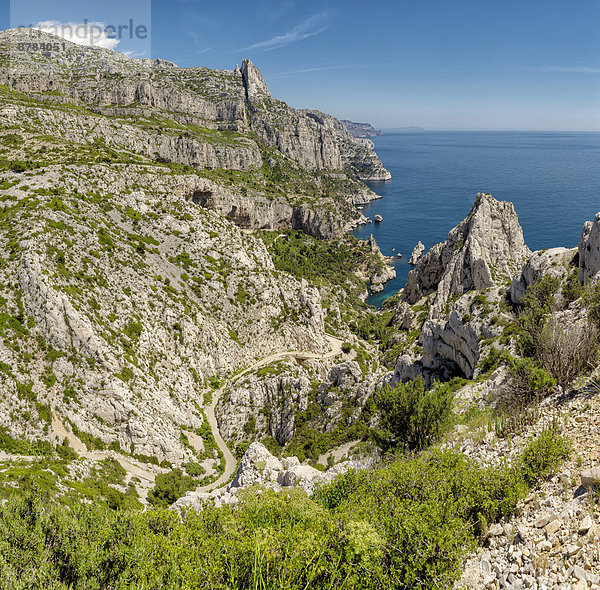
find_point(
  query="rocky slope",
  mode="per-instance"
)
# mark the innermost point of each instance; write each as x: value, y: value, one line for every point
x: 552, y: 541
x: 121, y: 300
x: 306, y: 162
x: 453, y: 287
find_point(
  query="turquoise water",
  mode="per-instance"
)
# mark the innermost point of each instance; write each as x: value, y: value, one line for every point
x: 553, y: 179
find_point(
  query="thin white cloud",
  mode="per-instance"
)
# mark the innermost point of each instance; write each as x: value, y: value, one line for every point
x: 310, y: 70
x: 83, y: 33
x: 135, y: 54
x: 312, y: 26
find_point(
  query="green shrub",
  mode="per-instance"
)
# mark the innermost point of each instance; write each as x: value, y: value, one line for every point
x: 65, y: 452
x: 408, y: 524
x: 530, y: 381
x: 168, y: 487
x: 572, y: 289
x: 413, y: 416
x: 592, y: 300
x: 544, y: 455
x: 538, y: 302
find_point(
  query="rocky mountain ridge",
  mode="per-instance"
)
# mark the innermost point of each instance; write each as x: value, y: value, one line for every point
x: 361, y: 130
x: 225, y: 100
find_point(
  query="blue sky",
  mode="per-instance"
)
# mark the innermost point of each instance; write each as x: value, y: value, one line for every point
x: 462, y: 64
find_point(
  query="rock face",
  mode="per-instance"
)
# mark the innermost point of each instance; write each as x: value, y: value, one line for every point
x: 554, y: 262
x: 485, y: 249
x: 589, y: 251
x: 259, y: 468
x: 482, y: 253
x: 267, y: 402
x: 270, y: 402
x: 131, y: 297
x: 254, y: 83
x: 205, y: 119
x: 416, y: 254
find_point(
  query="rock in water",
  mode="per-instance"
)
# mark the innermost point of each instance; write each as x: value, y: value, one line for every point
x: 417, y: 253
x: 378, y: 218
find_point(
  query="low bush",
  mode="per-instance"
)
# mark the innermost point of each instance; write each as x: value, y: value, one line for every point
x: 412, y: 416
x: 529, y: 382
x: 168, y: 487
x: 567, y: 350
x: 406, y: 525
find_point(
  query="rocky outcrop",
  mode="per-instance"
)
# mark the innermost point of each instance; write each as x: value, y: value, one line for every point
x: 268, y: 402
x: 387, y: 273
x: 589, y: 251
x: 254, y: 83
x: 452, y: 344
x: 260, y: 468
x: 462, y: 278
x: 206, y: 119
x: 345, y: 383
x: 416, y: 254
x: 484, y: 250
x: 554, y: 262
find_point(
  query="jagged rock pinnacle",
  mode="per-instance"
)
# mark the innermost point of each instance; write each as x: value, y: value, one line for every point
x: 254, y: 83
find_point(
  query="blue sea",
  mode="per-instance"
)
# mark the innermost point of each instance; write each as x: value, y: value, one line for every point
x: 553, y: 179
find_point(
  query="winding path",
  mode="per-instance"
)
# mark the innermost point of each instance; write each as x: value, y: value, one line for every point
x: 134, y: 470
x: 131, y: 468
x: 230, y: 460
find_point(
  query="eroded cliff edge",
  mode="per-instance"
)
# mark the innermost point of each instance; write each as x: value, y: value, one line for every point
x: 281, y: 167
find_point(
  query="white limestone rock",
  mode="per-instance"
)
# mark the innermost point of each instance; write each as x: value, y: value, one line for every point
x: 589, y: 250
x: 484, y: 250
x: 554, y: 262
x: 416, y: 253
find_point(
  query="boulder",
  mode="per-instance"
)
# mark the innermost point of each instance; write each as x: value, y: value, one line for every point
x: 590, y: 478
x: 257, y: 466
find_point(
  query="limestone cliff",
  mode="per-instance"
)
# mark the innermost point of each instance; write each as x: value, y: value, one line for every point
x: 484, y: 250
x: 456, y: 284
x: 197, y: 117
x: 589, y: 251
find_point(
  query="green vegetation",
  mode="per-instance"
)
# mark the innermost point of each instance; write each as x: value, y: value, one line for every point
x: 412, y: 416
x: 321, y: 261
x: 408, y: 525
x: 169, y: 487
